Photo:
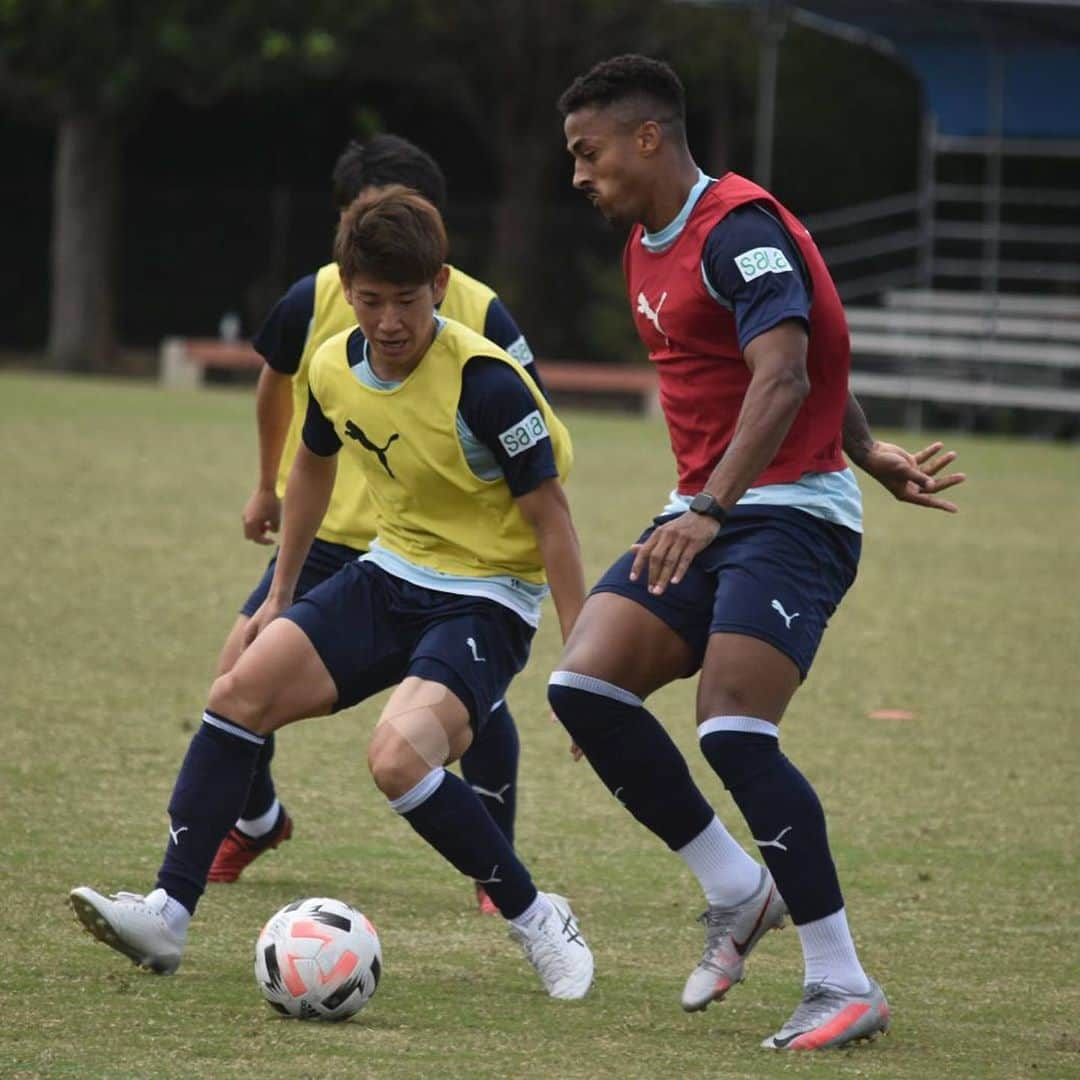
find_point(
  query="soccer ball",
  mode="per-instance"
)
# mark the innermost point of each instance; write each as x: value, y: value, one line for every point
x: 318, y: 959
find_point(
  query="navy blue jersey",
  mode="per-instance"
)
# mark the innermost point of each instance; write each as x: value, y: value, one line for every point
x: 280, y: 341
x: 319, y: 434
x: 767, y: 299
x: 494, y: 400
x: 499, y: 326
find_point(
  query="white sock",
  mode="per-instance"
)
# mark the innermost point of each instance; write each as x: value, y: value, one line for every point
x: 830, y: 956
x: 727, y: 873
x: 261, y: 825
x: 176, y: 916
x: 531, y: 916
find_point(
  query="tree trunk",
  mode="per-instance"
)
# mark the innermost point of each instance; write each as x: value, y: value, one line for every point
x: 518, y: 219
x: 84, y: 209
x: 525, y: 124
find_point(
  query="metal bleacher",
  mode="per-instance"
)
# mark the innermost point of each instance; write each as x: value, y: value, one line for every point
x: 968, y: 351
x: 963, y: 300
x: 963, y: 292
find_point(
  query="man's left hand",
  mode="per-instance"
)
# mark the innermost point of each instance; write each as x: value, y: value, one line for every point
x: 913, y: 478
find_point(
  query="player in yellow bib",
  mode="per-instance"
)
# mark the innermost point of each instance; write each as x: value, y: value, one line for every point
x: 312, y: 311
x: 463, y: 459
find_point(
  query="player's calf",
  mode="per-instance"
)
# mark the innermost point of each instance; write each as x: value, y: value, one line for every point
x: 782, y: 809
x: 447, y: 813
x: 632, y: 754
x: 423, y: 727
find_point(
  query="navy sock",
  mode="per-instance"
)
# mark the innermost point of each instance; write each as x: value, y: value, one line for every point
x: 261, y: 794
x: 448, y: 814
x: 632, y: 754
x: 490, y: 767
x: 208, y: 797
x: 783, y: 812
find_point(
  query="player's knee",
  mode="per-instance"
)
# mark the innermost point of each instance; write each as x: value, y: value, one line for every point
x: 564, y: 702
x: 398, y: 762
x: 243, y: 705
x: 725, y: 698
x: 392, y: 767
x: 587, y: 706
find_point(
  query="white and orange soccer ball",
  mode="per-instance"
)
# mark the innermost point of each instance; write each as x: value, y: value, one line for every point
x: 318, y: 959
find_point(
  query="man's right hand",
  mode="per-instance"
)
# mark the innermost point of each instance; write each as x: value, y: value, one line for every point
x: 262, y: 515
x: 264, y: 614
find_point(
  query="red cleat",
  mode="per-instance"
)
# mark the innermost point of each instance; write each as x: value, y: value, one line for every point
x: 484, y: 902
x: 238, y: 850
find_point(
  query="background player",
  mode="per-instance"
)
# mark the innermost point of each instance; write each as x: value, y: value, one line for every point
x: 753, y: 552
x: 310, y: 312
x: 462, y: 458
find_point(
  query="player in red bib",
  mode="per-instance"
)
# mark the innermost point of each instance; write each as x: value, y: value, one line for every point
x: 740, y: 573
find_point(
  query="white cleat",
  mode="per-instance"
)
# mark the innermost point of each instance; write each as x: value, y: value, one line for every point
x: 131, y: 924
x: 557, y: 950
x: 730, y: 934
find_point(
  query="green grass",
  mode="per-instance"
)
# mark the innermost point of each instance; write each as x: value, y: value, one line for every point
x: 954, y: 832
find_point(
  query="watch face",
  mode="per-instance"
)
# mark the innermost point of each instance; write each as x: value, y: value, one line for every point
x: 705, y: 504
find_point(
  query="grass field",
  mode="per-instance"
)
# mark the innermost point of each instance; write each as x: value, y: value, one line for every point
x: 954, y: 831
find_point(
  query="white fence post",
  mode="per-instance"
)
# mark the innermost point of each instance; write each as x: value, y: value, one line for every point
x: 175, y: 369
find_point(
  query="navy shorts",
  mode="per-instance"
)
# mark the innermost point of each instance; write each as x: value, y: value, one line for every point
x: 371, y: 629
x: 324, y: 561
x: 772, y: 573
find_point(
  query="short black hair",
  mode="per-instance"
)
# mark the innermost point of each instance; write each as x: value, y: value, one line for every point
x: 623, y: 78
x: 390, y: 234
x: 383, y: 160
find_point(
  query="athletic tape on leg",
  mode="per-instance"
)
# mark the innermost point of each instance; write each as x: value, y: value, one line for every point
x: 419, y: 725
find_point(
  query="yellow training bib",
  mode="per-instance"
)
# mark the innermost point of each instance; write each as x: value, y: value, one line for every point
x: 429, y: 506
x: 350, y: 517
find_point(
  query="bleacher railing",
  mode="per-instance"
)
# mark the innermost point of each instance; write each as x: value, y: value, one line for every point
x: 987, y: 236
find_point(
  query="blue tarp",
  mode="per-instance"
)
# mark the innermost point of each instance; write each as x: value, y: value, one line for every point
x: 1041, y: 87
x: 956, y: 48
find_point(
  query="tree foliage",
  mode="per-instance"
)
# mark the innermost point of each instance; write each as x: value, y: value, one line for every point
x: 88, y: 65
x: 485, y: 73
x: 107, y: 55
x: 500, y: 65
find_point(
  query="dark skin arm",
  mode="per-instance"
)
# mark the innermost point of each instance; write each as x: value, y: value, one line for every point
x: 778, y: 387
x: 910, y: 477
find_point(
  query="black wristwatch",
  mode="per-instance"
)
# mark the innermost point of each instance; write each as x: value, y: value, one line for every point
x: 703, y: 503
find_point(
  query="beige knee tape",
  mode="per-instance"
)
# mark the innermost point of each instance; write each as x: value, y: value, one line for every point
x: 417, y: 722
